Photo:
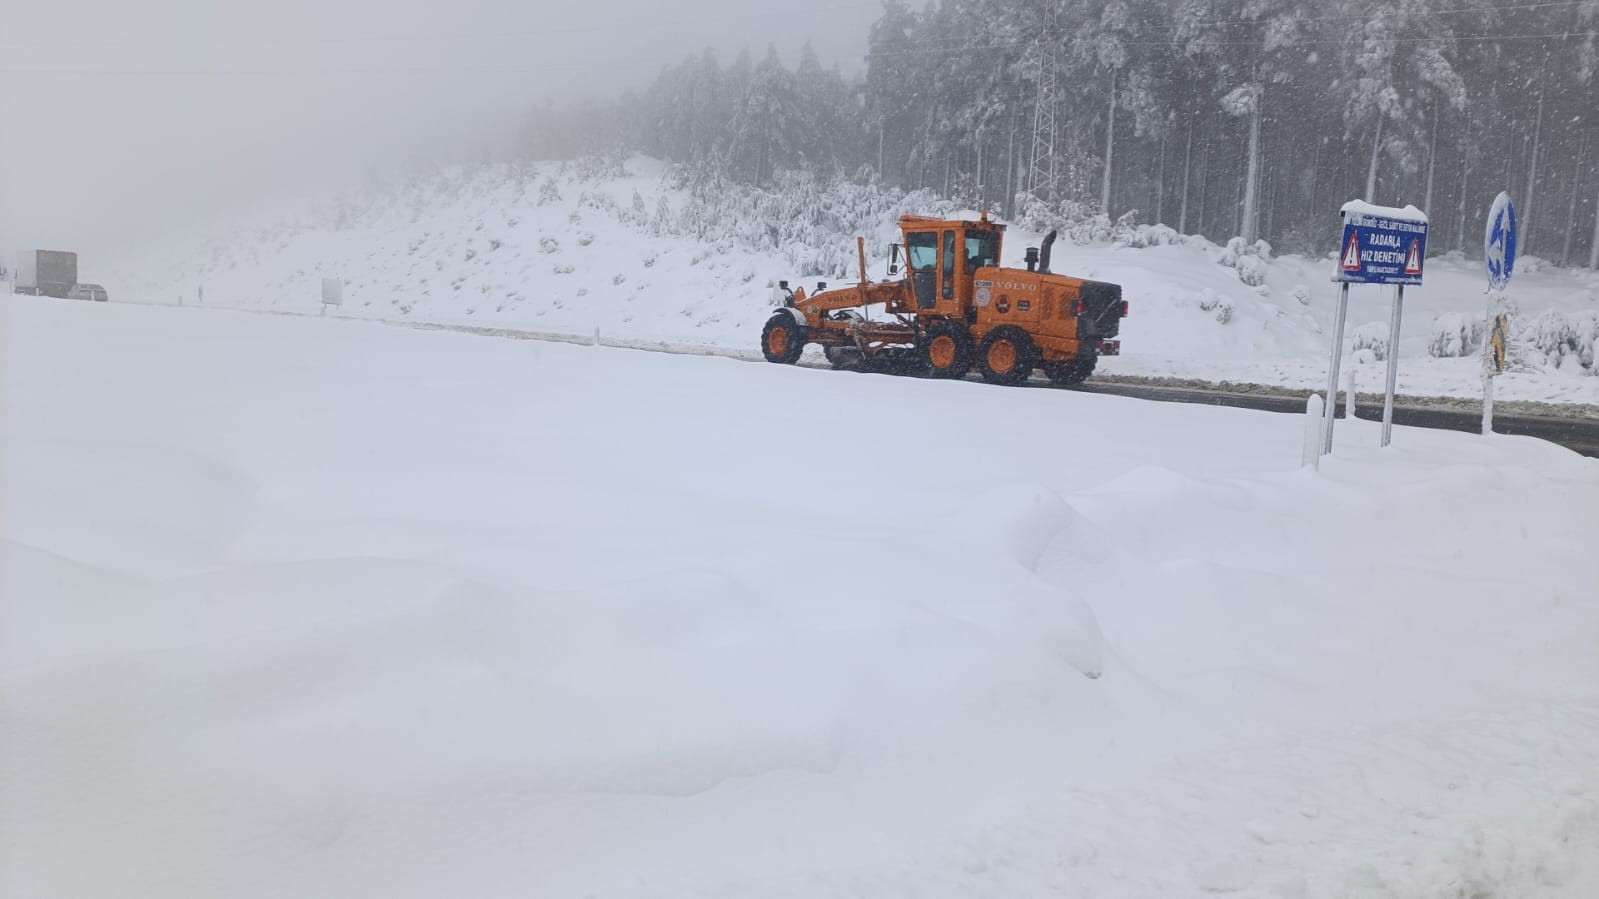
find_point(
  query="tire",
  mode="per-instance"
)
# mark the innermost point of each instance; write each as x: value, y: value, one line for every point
x: 783, y: 339
x: 1007, y: 356
x: 1074, y: 370
x: 946, y: 350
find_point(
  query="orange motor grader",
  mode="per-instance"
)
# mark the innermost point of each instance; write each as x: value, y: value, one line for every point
x: 953, y: 308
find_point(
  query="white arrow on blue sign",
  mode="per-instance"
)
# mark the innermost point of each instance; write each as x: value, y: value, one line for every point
x: 1382, y: 244
x: 1499, y: 242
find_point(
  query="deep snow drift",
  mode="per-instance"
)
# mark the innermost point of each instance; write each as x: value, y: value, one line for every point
x: 297, y: 607
x: 578, y: 246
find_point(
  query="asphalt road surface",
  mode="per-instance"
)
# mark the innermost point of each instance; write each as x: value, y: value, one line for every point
x: 1575, y: 433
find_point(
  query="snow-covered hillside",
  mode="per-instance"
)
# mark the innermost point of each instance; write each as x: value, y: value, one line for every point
x: 301, y: 607
x: 572, y: 247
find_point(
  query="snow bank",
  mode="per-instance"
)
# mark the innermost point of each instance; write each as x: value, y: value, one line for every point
x: 380, y: 612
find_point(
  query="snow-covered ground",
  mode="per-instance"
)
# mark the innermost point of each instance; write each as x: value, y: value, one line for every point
x: 574, y: 247
x: 297, y: 607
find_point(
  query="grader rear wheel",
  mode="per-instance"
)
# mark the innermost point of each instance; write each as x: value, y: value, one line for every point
x: 1007, y: 356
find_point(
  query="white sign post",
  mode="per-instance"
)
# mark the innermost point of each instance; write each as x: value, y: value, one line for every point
x: 1380, y: 245
x: 1499, y: 257
x: 332, y: 293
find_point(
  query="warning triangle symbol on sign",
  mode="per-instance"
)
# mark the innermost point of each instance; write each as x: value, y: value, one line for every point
x: 1413, y: 261
x: 1351, y: 261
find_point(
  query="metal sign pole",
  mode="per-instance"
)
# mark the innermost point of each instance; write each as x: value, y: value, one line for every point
x: 1490, y: 363
x: 1332, y: 369
x: 1499, y: 257
x: 1393, y: 365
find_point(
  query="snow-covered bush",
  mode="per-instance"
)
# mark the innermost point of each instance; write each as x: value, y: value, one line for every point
x: 1210, y: 301
x: 1252, y: 270
x: 1248, y: 259
x: 1558, y: 340
x: 548, y: 192
x: 549, y: 245
x: 1141, y: 236
x: 1302, y: 294
x: 1455, y: 334
x: 1371, y: 336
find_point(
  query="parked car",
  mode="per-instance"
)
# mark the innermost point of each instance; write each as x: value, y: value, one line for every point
x: 87, y: 292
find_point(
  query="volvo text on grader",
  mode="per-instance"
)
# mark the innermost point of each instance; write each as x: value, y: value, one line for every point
x: 955, y: 308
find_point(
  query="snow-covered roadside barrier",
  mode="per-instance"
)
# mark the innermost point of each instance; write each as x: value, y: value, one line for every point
x: 302, y: 607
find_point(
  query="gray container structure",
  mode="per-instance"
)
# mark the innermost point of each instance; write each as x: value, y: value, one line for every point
x: 46, y: 273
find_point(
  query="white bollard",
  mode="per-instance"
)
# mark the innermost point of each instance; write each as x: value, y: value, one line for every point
x: 1311, y: 451
x: 596, y: 336
x: 1349, y: 394
x: 1487, y: 404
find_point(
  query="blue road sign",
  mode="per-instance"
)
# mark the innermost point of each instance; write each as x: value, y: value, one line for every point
x: 1381, y: 249
x: 1499, y: 242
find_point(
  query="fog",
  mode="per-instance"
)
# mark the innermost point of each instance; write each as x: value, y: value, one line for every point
x: 124, y: 121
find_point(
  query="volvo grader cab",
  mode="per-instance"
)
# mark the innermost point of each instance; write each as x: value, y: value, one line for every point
x: 954, y: 308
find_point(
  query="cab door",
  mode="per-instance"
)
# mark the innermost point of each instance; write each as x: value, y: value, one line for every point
x: 946, y: 271
x: 921, y: 258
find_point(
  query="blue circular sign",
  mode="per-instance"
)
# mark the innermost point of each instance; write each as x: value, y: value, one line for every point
x: 1499, y: 242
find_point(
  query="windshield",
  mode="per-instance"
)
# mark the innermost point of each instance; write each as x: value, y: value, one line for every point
x: 982, y: 250
x: 922, y: 248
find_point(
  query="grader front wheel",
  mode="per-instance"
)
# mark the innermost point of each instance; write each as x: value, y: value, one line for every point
x: 783, y: 339
x: 947, y: 350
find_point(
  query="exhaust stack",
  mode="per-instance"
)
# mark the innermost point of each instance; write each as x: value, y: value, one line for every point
x: 1043, y: 253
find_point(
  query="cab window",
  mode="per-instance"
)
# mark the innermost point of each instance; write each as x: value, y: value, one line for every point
x: 982, y: 250
x: 922, y: 250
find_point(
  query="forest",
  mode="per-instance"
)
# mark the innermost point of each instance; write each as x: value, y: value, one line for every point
x: 1250, y: 118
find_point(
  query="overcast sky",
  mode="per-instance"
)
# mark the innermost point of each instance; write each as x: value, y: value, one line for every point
x: 119, y: 119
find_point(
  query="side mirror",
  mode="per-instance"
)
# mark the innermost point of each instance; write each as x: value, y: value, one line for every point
x: 893, y: 259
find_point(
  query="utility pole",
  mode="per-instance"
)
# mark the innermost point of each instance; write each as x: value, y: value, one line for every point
x: 1041, y: 173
